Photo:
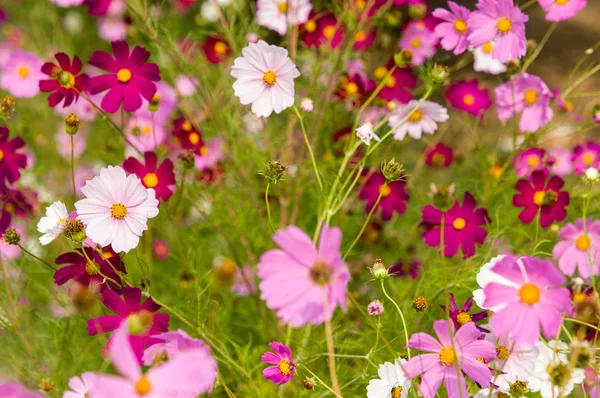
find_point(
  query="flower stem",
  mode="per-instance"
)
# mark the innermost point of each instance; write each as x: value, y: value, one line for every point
x: 401, y: 315
x: 330, y: 346
x: 268, y: 207
x: 310, y: 151
x: 36, y: 257
x: 73, y: 166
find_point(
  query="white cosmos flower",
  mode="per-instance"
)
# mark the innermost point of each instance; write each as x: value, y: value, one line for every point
x: 278, y: 14
x: 546, y: 361
x: 265, y: 78
x: 116, y: 209
x: 391, y: 379
x: 485, y: 276
x: 484, y: 62
x: 422, y: 120
x: 366, y: 133
x: 54, y: 223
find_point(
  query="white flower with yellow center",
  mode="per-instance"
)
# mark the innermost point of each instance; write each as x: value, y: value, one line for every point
x: 423, y: 120
x: 278, y: 14
x: 484, y: 62
x: 54, y: 223
x: 116, y: 209
x: 392, y: 382
x: 553, y: 377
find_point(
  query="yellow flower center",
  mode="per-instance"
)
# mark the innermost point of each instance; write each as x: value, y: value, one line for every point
x: 329, y: 31
x: 284, y: 367
x: 529, y: 293
x: 561, y: 2
x: 221, y: 48
x: 1, y: 155
x: 568, y: 105
x: 533, y: 161
x: 361, y: 4
x: 579, y: 298
x: 351, y: 88
x: 321, y: 273
x: 463, y: 318
x: 448, y: 356
x: 23, y: 72
x: 416, y: 116
x: 203, y: 151
x: 469, y: 99
x: 194, y: 138
x: 360, y: 36
x: 538, y: 198
x: 504, y: 25
x: 459, y: 224
x: 124, y: 75
x: 146, y: 130
x: 9, y: 208
x: 269, y: 78
x: 66, y: 80
x: 531, y: 97
x: 385, y: 190
x: 391, y: 82
x: 583, y: 243
x: 488, y: 47
x: 460, y: 26
x: 142, y: 387
x: 380, y: 72
x: 92, y: 268
x: 588, y: 158
x: 283, y: 7
x: 310, y: 26
x: 502, y: 352
x: 415, y: 43
x: 118, y: 211
x: 396, y: 392
x: 150, y: 180
x: 187, y: 126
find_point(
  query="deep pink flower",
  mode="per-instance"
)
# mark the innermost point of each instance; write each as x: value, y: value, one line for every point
x: 66, y: 80
x: 284, y: 367
x: 560, y: 10
x: 412, y: 268
x: 98, y: 7
x: 579, y: 248
x: 535, y: 297
x: 462, y: 348
x: 439, y: 156
x: 216, y: 50
x: 420, y: 41
x: 14, y: 203
x: 393, y: 196
x: 77, y: 267
x: 10, y: 159
x: 354, y: 88
x: 364, y: 39
x: 502, y: 21
x: 453, y: 30
x: 130, y: 309
x: 322, y: 28
x: 537, y: 195
x: 130, y: 77
x: 529, y: 161
x: 462, y: 315
x: 586, y: 156
x: 398, y: 84
x: 160, y: 177
x: 188, y: 134
x: 462, y: 226
x: 467, y: 96
x: 298, y: 278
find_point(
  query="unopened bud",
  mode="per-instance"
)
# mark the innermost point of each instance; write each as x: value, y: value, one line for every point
x: 154, y: 103
x: 417, y: 11
x: 12, y: 237
x: 273, y: 171
x: 403, y: 58
x: 439, y: 73
x: 75, y: 231
x: 392, y: 170
x: 592, y: 174
x: 307, y: 105
x: 420, y: 303
x: 72, y: 124
x: 7, y: 107
x: 379, y: 271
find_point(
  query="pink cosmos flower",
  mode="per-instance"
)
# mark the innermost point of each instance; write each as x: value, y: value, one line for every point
x: 467, y: 96
x: 462, y: 315
x: 375, y: 308
x: 11, y: 159
x: 277, y: 15
x: 502, y: 21
x: 67, y: 3
x: 75, y: 266
x: 462, y: 226
x: 112, y: 27
x: 446, y: 360
x: 364, y: 39
x: 159, y: 177
x: 527, y: 94
x: 186, y: 86
x: 398, y: 84
x: 162, y: 106
x: 586, y: 156
x: 559, y: 162
x: 298, y: 278
x: 144, y: 133
x: 15, y: 390
x: 130, y: 77
x: 209, y: 155
x: 66, y: 80
x: 412, y: 268
x: 284, y: 368
x: 420, y: 41
x: 535, y: 299
x: 14, y: 203
x: 560, y: 10
x: 393, y: 196
x: 579, y: 248
x: 453, y: 31
x: 79, y: 385
x: 529, y: 161
x: 537, y: 195
x: 244, y: 283
x: 21, y: 73
x: 188, y: 374
x: 190, y: 137
x: 130, y: 309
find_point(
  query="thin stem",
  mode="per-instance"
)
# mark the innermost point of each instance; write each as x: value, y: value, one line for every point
x: 319, y: 380
x: 310, y: 151
x: 330, y: 346
x: 540, y: 46
x: 73, y: 166
x: 268, y: 207
x: 36, y: 257
x: 581, y: 80
x: 401, y: 316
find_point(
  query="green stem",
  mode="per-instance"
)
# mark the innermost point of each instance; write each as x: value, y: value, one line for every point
x: 73, y: 166
x: 36, y: 257
x: 310, y: 151
x: 401, y: 316
x: 268, y: 207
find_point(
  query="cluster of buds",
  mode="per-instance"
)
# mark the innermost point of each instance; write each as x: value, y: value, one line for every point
x: 7, y: 107
x: 273, y: 171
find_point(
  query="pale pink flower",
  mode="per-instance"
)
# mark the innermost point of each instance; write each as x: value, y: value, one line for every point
x: 21, y: 74
x: 579, y: 248
x: 209, y: 155
x: 67, y: 3
x: 145, y: 134
x: 79, y: 386
x: 278, y: 14
x: 560, y: 10
x: 186, y: 86
x: 424, y: 120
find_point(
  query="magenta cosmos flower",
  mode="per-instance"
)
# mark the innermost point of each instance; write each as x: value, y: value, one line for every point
x: 467, y: 96
x: 322, y: 29
x: 10, y: 159
x: 283, y: 367
x: 462, y: 226
x: 160, y: 177
x: 501, y: 21
x: 439, y: 156
x: 130, y: 309
x: 77, y: 267
x: 579, y: 248
x: 560, y: 10
x: 453, y: 30
x: 537, y: 195
x: 462, y: 315
x: 529, y: 161
x: 535, y: 298
x: 130, y: 77
x: 66, y: 80
x: 448, y: 358
x: 393, y: 196
x: 14, y: 203
x: 399, y: 83
x: 527, y: 94
x: 296, y: 279
x: 586, y: 156
x: 98, y: 7
x: 216, y: 50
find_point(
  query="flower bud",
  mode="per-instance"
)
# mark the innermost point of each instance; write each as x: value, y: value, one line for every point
x: 592, y: 174
x: 307, y: 105
x: 420, y: 303
x: 12, y: 237
x: 379, y: 271
x: 375, y: 308
x: 75, y: 231
x: 154, y: 103
x: 308, y: 385
x: 519, y: 388
x: 403, y: 58
x: 7, y: 107
x: 417, y: 11
x: 392, y: 170
x: 273, y: 171
x: 72, y: 124
x: 439, y: 73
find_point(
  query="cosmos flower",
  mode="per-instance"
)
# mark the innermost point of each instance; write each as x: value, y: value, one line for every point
x: 130, y: 77
x: 484, y: 61
x: 209, y: 155
x: 54, y: 223
x: 485, y: 276
x: 526, y: 94
x: 392, y: 381
x: 160, y: 177
x: 579, y: 248
x: 364, y: 39
x: 244, y: 283
x: 112, y: 26
x: 585, y: 156
x: 423, y: 120
x: 11, y: 159
x: 296, y: 279
x: 283, y: 367
x: 322, y: 29
x: 535, y: 194
x: 399, y: 83
x: 559, y: 162
x: 354, y: 88
x: 90, y: 268
x: 393, y: 196
x: 216, y: 50
x: 162, y: 105
x: 14, y: 203
x: 420, y: 41
x: 529, y: 161
x: 453, y: 31
x: 79, y: 386
x: 536, y: 298
x: 560, y: 10
x: 67, y: 3
x: 552, y: 365
x: 365, y: 133
x: 144, y: 133
x: 455, y: 349
x: 277, y: 15
x: 188, y: 134
x: 467, y: 96
x: 375, y: 308
x: 186, y: 85
x: 462, y: 226
x: 439, y: 156
x: 129, y: 309
x: 502, y: 21
x: 15, y: 390
x: 21, y: 74
x: 98, y: 7
x: 66, y: 80
x: 116, y: 209
x: 462, y: 315
x: 412, y: 268
x: 264, y: 78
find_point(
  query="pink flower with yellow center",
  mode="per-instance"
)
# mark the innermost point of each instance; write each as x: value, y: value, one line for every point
x: 467, y: 96
x: 283, y: 367
x: 453, y: 30
x: 159, y: 177
x: 560, y: 10
x: 537, y: 195
x: 579, y: 248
